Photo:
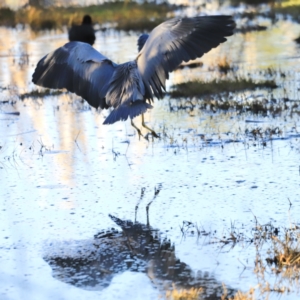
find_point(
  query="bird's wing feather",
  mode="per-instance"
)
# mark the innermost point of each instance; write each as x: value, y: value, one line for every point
x: 80, y: 69
x: 126, y: 93
x: 178, y: 40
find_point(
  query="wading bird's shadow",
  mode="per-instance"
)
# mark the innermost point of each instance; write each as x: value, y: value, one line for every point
x: 136, y: 247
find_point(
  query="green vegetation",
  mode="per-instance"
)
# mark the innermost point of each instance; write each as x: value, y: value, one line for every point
x: 293, y: 11
x: 200, y: 88
x: 7, y: 17
x: 285, y: 8
x: 127, y: 15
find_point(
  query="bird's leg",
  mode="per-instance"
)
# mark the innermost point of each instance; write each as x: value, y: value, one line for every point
x: 137, y: 205
x: 137, y: 129
x: 151, y: 130
x: 156, y: 192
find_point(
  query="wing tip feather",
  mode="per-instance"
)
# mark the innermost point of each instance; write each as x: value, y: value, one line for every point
x: 125, y: 111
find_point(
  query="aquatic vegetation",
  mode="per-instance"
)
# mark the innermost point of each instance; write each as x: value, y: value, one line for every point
x: 288, y: 8
x: 264, y: 133
x: 278, y: 268
x: 277, y: 258
x: 7, y: 17
x: 285, y: 254
x: 231, y: 91
x: 251, y: 2
x: 224, y: 66
x: 121, y: 13
x: 40, y: 93
x: 191, y: 65
x: 249, y: 295
x: 200, y: 88
x: 249, y: 28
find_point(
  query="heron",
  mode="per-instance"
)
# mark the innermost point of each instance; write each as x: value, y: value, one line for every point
x: 83, y: 33
x: 129, y: 88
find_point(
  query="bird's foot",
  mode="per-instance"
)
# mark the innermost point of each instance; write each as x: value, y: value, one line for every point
x: 137, y: 129
x: 139, y: 133
x: 150, y: 134
x: 153, y: 133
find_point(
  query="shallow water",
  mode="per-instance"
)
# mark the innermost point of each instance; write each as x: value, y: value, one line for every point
x: 63, y: 173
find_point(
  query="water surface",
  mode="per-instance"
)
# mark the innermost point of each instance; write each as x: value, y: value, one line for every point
x: 63, y: 173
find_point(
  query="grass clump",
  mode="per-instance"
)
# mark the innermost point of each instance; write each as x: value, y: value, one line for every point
x: 281, y: 260
x: 127, y: 15
x: 184, y: 294
x: 7, y: 17
x: 199, y: 88
x: 264, y: 106
x: 286, y: 252
x: 41, y: 93
x: 250, y: 295
x: 224, y: 66
x: 251, y: 2
x: 288, y: 8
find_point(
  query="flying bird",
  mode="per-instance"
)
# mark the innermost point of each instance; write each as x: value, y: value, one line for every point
x: 83, y: 33
x: 129, y: 88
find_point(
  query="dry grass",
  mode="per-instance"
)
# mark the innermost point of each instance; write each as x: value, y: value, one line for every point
x: 282, y: 261
x: 250, y: 295
x: 195, y: 294
x: 285, y: 255
x: 287, y: 252
x: 277, y: 259
x: 184, y: 294
x: 224, y: 66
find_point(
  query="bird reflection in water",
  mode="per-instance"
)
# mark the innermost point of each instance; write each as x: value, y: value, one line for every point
x: 136, y: 247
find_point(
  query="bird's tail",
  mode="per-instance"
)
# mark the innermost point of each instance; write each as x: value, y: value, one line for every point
x: 125, y: 111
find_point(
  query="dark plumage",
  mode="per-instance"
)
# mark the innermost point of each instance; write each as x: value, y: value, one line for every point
x: 83, y: 33
x: 142, y: 40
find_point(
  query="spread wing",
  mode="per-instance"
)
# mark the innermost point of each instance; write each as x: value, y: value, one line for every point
x: 80, y: 69
x: 178, y: 40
